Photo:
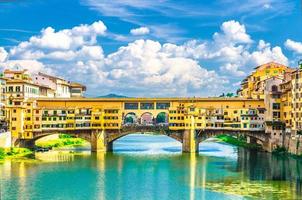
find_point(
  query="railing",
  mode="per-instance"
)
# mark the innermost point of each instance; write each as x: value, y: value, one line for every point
x: 145, y: 127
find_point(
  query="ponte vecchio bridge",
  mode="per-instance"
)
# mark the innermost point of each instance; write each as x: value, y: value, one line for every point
x: 101, y: 121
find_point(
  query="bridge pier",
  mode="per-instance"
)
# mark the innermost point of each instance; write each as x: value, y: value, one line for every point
x: 99, y: 142
x: 190, y: 142
x: 23, y: 143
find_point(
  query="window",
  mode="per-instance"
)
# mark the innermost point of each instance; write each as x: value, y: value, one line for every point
x: 10, y: 88
x: 276, y: 106
x: 276, y: 114
x: 162, y: 105
x: 147, y: 106
x: 18, y: 89
x: 131, y: 106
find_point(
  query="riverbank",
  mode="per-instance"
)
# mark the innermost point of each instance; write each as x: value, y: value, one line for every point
x: 14, y: 153
x: 63, y: 141
x: 240, y: 141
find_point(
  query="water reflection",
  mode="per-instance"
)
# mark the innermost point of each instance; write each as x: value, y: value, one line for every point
x: 213, y: 174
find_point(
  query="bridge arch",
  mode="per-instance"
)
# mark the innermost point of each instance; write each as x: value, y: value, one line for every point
x: 31, y: 143
x: 176, y: 136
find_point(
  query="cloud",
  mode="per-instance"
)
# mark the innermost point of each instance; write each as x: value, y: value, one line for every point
x: 144, y: 67
x: 267, y: 6
x: 3, y: 54
x: 266, y: 53
x: 232, y: 32
x: 140, y: 31
x: 32, y: 66
x: 49, y: 40
x: 231, y: 50
x: 294, y: 46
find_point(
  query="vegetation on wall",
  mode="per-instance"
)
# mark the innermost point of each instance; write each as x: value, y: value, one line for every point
x: 240, y: 141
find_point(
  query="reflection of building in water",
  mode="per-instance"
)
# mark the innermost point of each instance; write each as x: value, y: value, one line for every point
x: 57, y: 156
x: 277, y: 168
x: 100, y: 164
x: 192, y: 176
x: 9, y: 170
x: 197, y: 176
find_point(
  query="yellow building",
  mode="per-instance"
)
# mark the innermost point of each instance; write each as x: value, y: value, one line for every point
x: 77, y: 89
x: 286, y: 101
x: 3, y: 123
x: 297, y: 101
x: 253, y: 85
x: 46, y: 115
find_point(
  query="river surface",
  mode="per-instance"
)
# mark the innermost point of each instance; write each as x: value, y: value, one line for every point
x: 144, y: 167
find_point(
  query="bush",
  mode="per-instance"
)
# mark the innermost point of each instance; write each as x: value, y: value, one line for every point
x: 2, y: 153
x: 63, y: 136
x: 280, y: 150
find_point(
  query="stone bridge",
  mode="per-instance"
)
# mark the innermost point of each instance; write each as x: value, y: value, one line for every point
x: 102, y: 140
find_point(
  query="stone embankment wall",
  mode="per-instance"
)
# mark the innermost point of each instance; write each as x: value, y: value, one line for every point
x: 294, y: 145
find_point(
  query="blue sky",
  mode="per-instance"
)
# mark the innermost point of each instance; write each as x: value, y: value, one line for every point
x: 149, y: 47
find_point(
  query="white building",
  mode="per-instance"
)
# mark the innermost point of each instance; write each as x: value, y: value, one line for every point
x: 60, y: 86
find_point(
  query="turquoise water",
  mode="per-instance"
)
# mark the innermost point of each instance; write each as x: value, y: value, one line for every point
x: 153, y: 167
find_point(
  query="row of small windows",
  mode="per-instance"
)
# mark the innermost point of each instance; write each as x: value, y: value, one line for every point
x: 18, y: 89
x: 84, y: 112
x: 146, y: 106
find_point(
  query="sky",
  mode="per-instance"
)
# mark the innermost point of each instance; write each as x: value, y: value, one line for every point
x: 150, y: 48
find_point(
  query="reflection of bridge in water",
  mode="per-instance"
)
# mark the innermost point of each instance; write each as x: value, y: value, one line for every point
x: 102, y: 121
x: 192, y: 176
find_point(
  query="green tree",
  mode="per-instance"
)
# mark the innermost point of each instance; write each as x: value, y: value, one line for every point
x: 2, y: 153
x: 230, y: 95
x: 129, y: 119
x: 161, y: 118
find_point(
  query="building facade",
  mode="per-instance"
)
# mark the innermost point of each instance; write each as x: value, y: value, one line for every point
x: 270, y: 101
x: 253, y: 86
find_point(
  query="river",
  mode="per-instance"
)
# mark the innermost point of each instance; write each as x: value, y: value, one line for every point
x: 152, y: 167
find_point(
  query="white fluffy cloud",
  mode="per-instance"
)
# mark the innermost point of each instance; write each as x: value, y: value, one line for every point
x: 140, y: 31
x: 265, y: 53
x: 32, y: 66
x: 144, y: 67
x: 230, y: 49
x: 49, y: 40
x: 3, y: 54
x: 293, y: 46
x: 232, y: 32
